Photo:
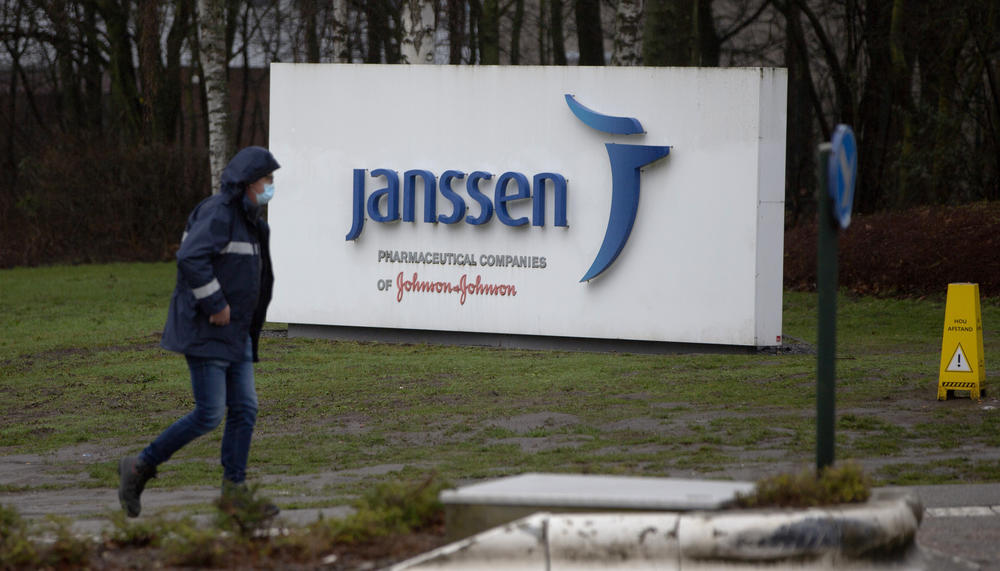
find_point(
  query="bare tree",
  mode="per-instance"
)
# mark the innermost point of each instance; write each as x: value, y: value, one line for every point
x: 215, y: 62
x: 543, y: 33
x: 590, y: 37
x: 377, y: 19
x: 628, y: 33
x: 419, y: 27
x: 456, y: 30
x: 667, y: 34
x: 517, y: 25
x: 557, y: 38
x: 124, y: 87
x: 680, y: 32
x: 800, y: 158
x: 920, y: 82
x: 488, y: 25
x: 309, y: 22
x: 340, y: 30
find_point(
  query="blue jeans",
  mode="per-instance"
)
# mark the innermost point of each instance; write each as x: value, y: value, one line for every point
x: 221, y: 388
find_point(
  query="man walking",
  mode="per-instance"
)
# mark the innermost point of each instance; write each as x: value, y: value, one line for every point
x: 224, y: 283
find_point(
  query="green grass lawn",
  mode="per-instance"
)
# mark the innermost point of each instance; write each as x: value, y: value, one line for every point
x: 80, y: 363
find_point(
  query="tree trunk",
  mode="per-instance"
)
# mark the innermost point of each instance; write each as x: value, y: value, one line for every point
x: 151, y: 70
x: 393, y: 32
x: 517, y: 24
x: 215, y: 62
x: 442, y: 21
x: 456, y: 31
x: 169, y: 103
x: 628, y: 34
x: 942, y: 36
x: 556, y: 32
x: 907, y: 190
x: 878, y: 125
x: 588, y: 32
x: 309, y: 12
x: 68, y: 105
x: 14, y: 55
x: 543, y: 33
x: 668, y: 37
x: 845, y: 108
x: 475, y: 9
x: 800, y: 151
x: 708, y: 42
x: 124, y: 91
x: 93, y: 71
x: 377, y: 29
x: 418, y: 31
x: 984, y: 100
x: 489, y: 33
x: 245, y: 37
x: 340, y: 44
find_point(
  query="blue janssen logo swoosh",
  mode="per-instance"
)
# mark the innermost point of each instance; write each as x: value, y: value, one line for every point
x: 626, y: 160
x: 601, y: 122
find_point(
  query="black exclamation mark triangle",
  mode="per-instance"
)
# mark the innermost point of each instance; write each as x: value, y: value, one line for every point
x: 959, y: 362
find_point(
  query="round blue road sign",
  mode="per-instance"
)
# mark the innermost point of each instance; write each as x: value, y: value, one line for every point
x: 843, y: 169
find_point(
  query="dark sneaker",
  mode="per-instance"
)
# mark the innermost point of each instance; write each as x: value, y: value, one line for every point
x: 133, y: 476
x: 243, y: 498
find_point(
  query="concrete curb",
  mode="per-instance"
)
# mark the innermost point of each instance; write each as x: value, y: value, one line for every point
x: 879, y: 533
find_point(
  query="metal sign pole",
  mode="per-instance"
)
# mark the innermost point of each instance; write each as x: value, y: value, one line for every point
x: 826, y: 338
x: 838, y: 170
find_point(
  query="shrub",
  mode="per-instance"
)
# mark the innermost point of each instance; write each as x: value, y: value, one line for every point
x: 389, y: 508
x: 146, y: 532
x: 16, y: 550
x: 243, y: 510
x: 196, y: 547
x: 66, y: 549
x: 19, y: 551
x: 840, y: 484
x: 80, y: 200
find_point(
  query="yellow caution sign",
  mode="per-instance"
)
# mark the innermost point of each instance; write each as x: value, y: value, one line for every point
x: 962, y: 361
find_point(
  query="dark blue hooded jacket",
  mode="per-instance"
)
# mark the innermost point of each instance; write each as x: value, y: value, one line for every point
x: 223, y: 259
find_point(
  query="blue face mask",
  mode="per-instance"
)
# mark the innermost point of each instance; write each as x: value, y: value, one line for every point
x: 265, y: 196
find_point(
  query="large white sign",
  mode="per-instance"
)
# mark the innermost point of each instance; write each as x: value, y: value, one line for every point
x: 592, y: 202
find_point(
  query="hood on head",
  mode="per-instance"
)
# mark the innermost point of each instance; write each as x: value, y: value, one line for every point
x: 249, y: 165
